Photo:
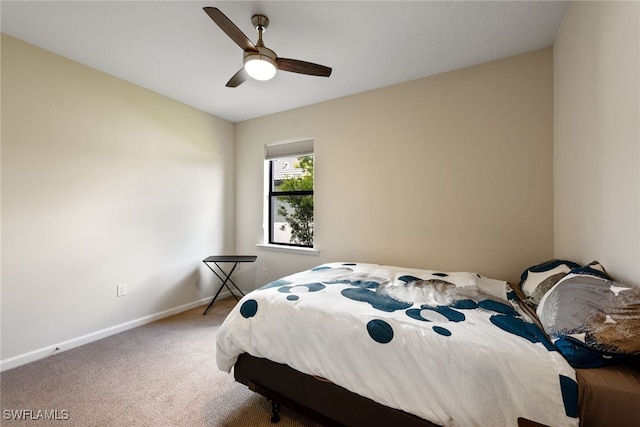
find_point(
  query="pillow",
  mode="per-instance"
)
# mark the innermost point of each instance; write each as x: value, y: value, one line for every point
x: 592, y: 321
x: 537, y: 280
x: 594, y: 268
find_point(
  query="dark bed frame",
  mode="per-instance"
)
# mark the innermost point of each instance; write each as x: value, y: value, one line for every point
x: 319, y: 399
x: 607, y: 396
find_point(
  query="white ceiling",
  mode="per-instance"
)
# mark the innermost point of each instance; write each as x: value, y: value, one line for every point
x: 175, y: 49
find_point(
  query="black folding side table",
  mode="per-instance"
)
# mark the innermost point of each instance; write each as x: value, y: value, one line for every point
x: 235, y: 259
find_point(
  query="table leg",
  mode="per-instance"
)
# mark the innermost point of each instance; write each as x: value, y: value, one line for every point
x: 224, y: 283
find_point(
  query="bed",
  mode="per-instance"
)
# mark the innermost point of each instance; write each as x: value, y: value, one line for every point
x: 366, y: 344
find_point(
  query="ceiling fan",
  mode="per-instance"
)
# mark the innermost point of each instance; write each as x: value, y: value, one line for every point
x: 260, y: 62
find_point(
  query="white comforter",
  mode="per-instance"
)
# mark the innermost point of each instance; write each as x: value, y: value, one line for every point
x: 448, y: 347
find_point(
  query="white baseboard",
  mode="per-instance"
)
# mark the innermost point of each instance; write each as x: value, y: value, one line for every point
x: 41, y: 353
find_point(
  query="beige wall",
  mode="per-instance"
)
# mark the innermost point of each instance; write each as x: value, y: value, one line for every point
x: 597, y: 137
x: 450, y: 172
x: 102, y: 183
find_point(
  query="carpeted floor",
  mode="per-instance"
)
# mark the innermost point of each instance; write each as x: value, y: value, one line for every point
x: 160, y: 374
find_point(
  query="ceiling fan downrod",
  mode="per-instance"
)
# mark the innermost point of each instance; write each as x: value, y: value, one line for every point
x: 260, y: 22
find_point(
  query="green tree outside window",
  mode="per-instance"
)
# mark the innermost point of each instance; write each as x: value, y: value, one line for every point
x: 300, y: 215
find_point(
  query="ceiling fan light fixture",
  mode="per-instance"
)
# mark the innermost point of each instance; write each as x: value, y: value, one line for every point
x: 260, y: 62
x: 260, y: 67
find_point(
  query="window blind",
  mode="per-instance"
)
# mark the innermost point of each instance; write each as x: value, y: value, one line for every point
x: 288, y: 149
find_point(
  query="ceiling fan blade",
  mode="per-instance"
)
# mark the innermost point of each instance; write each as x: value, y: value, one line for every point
x: 230, y: 28
x: 238, y: 78
x: 303, y: 67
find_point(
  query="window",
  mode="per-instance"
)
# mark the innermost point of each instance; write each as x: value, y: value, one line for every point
x: 290, y: 193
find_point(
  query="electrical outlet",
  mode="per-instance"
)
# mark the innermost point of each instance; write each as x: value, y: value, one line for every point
x: 121, y: 289
x: 265, y: 272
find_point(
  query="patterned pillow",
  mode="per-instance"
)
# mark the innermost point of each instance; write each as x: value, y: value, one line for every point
x: 594, y: 268
x: 537, y: 280
x: 593, y: 321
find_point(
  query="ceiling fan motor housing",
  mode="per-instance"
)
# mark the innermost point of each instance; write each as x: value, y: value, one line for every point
x: 260, y: 22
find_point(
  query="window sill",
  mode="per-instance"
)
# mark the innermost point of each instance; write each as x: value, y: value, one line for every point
x: 290, y: 249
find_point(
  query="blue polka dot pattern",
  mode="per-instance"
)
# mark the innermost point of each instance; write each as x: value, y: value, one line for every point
x: 436, y: 314
x: 442, y: 331
x: 519, y: 327
x: 293, y: 297
x: 497, y: 307
x: 368, y: 284
x: 409, y: 279
x: 414, y: 313
x: 249, y: 308
x: 380, y: 331
x: 569, y: 389
x: 465, y: 304
x: 377, y: 301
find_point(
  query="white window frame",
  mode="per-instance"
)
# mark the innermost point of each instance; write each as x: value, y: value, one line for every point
x: 289, y: 148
